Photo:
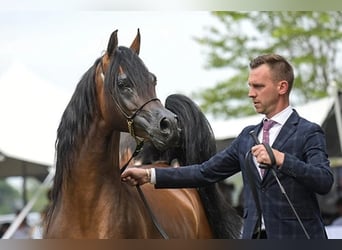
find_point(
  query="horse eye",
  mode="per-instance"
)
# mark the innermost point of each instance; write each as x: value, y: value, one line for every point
x: 121, y: 84
x: 122, y: 79
x: 125, y: 86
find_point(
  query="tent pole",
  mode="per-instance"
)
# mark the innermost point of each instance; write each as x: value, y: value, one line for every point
x: 338, y: 117
x: 25, y: 211
x: 24, y: 176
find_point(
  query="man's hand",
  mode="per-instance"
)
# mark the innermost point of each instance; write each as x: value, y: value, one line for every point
x: 262, y: 157
x: 136, y: 176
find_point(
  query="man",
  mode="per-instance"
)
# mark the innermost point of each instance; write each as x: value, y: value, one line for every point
x: 301, y: 162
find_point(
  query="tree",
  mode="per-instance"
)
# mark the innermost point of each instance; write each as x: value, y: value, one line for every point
x: 11, y: 197
x: 310, y: 40
x: 7, y: 197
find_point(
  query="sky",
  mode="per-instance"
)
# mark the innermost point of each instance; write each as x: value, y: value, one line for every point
x: 60, y: 46
x: 53, y: 49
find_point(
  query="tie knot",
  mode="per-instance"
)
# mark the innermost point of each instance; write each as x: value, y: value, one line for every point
x: 268, y: 124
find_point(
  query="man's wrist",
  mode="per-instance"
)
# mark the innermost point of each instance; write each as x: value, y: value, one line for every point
x: 148, y: 174
x: 153, y: 176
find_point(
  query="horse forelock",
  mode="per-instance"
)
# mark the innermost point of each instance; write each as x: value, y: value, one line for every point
x: 127, y: 61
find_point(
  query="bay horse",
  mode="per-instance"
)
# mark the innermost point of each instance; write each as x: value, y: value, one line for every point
x: 88, y: 200
x: 197, y: 144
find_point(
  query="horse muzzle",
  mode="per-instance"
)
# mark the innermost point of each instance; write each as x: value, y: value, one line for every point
x: 160, y: 127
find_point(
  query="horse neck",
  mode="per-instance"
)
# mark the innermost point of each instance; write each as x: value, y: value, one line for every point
x: 98, y: 157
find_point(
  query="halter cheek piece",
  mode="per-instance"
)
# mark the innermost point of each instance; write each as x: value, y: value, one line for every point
x: 129, y: 118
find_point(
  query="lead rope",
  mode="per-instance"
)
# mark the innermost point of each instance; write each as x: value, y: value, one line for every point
x: 154, y: 219
x: 141, y: 194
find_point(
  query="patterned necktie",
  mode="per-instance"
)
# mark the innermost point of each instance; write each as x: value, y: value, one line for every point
x: 266, y: 136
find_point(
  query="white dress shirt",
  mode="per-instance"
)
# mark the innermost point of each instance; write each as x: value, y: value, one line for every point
x: 280, y: 120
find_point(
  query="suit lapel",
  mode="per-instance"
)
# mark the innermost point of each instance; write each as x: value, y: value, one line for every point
x: 285, y: 133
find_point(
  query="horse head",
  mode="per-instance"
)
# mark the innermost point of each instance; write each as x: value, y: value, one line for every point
x: 125, y: 85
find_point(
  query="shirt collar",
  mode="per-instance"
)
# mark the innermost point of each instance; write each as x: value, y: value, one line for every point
x: 282, y: 116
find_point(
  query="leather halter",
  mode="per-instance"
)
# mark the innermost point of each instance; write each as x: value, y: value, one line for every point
x: 129, y: 118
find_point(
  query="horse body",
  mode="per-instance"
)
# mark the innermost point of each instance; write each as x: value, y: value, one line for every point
x: 185, y: 221
x: 178, y: 212
x: 88, y: 199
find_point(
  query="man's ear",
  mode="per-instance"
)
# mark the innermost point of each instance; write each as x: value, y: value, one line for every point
x: 283, y: 87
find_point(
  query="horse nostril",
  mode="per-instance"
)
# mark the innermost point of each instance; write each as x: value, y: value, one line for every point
x: 165, y: 125
x: 169, y: 123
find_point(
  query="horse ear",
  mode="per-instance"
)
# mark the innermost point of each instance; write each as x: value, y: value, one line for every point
x: 135, y: 46
x: 113, y: 43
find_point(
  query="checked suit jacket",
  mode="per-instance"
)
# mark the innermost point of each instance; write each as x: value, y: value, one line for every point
x: 304, y: 173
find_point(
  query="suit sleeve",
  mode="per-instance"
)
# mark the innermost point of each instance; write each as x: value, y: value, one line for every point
x: 308, y: 162
x: 218, y: 167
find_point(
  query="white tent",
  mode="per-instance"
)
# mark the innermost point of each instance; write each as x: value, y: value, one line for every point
x: 315, y: 111
x: 30, y: 110
x: 323, y: 112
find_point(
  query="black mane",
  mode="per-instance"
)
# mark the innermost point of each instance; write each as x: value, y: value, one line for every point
x: 133, y: 67
x: 195, y: 130
x: 82, y: 108
x: 74, y: 125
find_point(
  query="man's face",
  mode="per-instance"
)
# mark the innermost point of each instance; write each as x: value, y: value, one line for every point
x: 263, y: 91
